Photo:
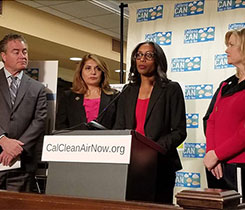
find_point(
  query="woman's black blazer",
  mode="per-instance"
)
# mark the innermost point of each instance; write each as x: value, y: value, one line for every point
x: 165, y: 121
x: 71, y: 111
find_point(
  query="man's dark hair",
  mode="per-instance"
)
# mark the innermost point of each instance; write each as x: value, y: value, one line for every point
x: 8, y: 38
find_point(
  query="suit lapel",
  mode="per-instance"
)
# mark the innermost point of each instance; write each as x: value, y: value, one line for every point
x: 77, y: 106
x: 132, y: 100
x: 4, y: 88
x: 104, y: 100
x: 156, y: 92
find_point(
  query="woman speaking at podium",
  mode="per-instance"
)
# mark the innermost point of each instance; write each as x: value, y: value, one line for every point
x: 154, y: 106
x: 89, y: 96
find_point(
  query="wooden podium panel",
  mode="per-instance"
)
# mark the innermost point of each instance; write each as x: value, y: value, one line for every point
x: 27, y: 201
x: 207, y: 199
x: 142, y: 170
x: 134, y: 181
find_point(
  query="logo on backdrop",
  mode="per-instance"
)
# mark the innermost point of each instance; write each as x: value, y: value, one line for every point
x: 33, y: 73
x: 220, y: 62
x: 149, y: 14
x: 230, y: 4
x: 187, y: 179
x: 204, y: 91
x: 199, y: 35
x: 192, y: 120
x: 189, y: 8
x: 161, y: 38
x: 194, y: 150
x: 186, y: 64
x: 236, y: 26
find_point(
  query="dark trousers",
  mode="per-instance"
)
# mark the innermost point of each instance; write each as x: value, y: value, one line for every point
x: 229, y: 179
x: 16, y: 180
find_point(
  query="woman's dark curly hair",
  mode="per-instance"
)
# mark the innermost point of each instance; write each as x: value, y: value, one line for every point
x: 160, y: 63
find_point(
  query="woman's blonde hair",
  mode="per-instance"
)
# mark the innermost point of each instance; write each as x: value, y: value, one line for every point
x: 240, y: 34
x: 79, y: 86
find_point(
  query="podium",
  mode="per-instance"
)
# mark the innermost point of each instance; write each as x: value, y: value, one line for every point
x: 135, y: 180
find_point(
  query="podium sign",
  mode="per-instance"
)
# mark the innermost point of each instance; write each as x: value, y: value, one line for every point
x: 87, y: 148
x: 126, y: 171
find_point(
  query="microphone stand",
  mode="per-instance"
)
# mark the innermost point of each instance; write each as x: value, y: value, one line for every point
x: 94, y: 124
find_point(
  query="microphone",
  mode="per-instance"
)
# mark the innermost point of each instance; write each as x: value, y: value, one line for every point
x: 94, y: 124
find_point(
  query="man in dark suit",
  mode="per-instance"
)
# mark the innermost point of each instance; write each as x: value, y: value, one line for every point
x: 23, y: 111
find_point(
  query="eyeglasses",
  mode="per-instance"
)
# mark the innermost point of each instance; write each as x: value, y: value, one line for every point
x: 148, y: 56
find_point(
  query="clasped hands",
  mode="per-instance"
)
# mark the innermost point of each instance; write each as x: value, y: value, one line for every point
x: 12, y: 148
x: 212, y: 163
